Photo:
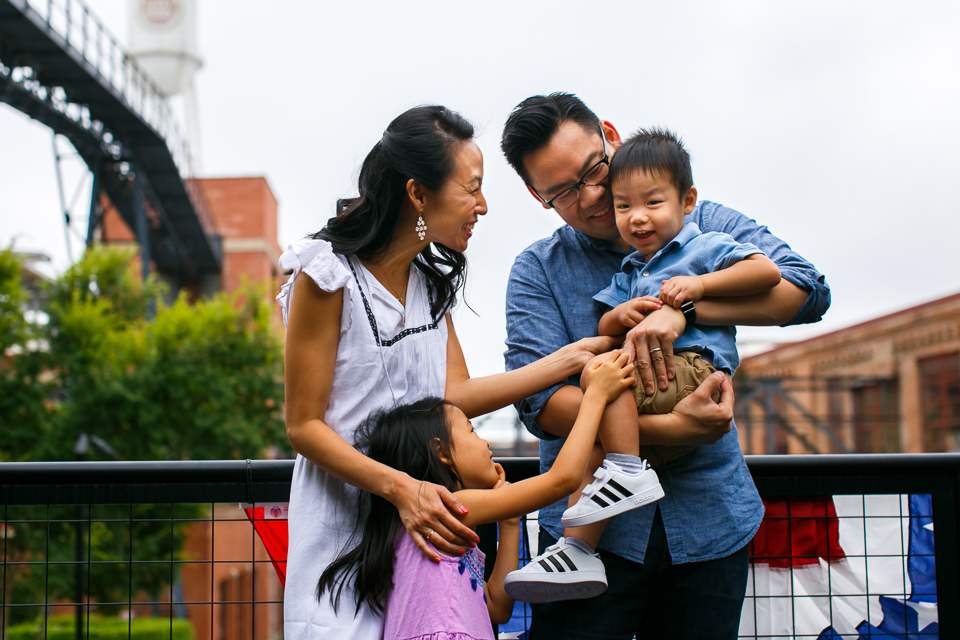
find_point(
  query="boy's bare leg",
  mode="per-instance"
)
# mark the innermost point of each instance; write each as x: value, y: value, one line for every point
x: 619, y: 433
x: 620, y: 426
x: 589, y: 533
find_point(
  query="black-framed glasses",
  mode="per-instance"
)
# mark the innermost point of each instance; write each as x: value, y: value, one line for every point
x: 593, y: 176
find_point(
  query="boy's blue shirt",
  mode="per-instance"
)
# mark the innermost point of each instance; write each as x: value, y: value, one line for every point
x: 690, y: 253
x: 711, y: 508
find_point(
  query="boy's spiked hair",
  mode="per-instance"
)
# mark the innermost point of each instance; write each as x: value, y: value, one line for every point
x: 655, y: 151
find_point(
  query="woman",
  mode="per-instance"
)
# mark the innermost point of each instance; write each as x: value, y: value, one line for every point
x: 370, y: 329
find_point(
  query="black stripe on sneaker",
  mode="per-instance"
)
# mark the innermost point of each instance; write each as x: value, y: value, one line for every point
x: 546, y: 565
x: 563, y: 556
x: 619, y: 487
x: 600, y: 501
x: 610, y: 495
x: 556, y: 563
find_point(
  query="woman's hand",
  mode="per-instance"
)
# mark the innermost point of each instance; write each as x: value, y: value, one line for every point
x: 609, y: 374
x: 579, y: 353
x: 427, y: 512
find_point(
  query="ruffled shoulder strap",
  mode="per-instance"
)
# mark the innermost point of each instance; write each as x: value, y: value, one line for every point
x: 316, y: 259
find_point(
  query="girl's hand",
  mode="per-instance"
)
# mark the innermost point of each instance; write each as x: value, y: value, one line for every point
x: 427, y: 512
x: 502, y: 482
x: 608, y: 374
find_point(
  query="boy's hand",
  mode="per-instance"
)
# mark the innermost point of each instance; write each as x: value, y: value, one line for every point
x: 630, y: 313
x: 680, y: 289
x: 609, y: 375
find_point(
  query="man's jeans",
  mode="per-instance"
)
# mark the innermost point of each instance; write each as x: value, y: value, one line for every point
x: 653, y: 600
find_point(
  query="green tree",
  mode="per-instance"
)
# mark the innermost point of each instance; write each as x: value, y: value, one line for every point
x: 197, y: 381
x: 24, y: 412
x: 193, y: 380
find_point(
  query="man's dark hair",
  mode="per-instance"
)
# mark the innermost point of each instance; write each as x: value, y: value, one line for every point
x: 534, y: 121
x: 657, y: 152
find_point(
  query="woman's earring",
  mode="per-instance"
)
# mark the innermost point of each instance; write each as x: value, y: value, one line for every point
x: 421, y: 226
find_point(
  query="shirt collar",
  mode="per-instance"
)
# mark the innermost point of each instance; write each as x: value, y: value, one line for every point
x: 597, y: 243
x: 636, y: 259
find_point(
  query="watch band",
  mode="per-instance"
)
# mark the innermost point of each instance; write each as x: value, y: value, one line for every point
x: 689, y: 312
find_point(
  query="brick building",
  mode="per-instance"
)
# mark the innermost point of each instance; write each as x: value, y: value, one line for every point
x: 245, y: 213
x: 888, y: 385
x: 226, y: 567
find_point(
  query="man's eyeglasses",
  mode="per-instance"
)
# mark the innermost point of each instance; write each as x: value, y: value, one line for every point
x: 594, y: 176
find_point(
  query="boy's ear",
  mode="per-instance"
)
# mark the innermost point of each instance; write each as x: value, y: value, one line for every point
x: 438, y: 451
x: 690, y: 200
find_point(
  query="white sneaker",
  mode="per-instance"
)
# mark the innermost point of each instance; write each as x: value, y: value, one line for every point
x: 613, y: 492
x: 562, y: 572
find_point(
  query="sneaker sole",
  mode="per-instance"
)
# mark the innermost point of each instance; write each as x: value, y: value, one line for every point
x: 650, y: 495
x: 553, y: 588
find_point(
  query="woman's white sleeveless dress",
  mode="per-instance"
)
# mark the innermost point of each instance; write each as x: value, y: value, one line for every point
x: 387, y: 355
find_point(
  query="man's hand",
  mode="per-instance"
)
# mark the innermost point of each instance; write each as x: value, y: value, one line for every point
x: 650, y: 345
x: 680, y: 289
x: 700, y: 419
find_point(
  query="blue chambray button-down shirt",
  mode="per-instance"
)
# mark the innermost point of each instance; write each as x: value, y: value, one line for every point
x: 690, y: 253
x: 711, y: 508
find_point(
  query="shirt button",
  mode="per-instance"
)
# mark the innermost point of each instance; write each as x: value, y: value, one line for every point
x: 646, y: 273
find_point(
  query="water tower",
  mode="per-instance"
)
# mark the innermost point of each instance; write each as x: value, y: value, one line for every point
x: 163, y: 41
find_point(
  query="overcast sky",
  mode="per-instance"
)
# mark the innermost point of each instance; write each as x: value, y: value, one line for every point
x: 833, y: 123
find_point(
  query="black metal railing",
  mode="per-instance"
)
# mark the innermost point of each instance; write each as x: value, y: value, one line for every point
x: 127, y: 543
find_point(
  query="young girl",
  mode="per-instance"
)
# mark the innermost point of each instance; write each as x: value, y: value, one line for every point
x: 432, y: 440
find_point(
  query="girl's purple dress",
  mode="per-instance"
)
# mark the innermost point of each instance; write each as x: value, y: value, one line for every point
x: 436, y: 601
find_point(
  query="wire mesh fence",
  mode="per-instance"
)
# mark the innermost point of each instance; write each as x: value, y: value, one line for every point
x: 851, y: 546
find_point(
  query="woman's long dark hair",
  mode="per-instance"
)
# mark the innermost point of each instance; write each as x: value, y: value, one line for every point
x: 421, y: 144
x: 403, y: 438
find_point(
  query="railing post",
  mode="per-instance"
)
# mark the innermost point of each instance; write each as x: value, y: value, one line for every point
x: 946, y: 541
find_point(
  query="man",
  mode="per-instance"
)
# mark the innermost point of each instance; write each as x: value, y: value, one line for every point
x: 677, y: 569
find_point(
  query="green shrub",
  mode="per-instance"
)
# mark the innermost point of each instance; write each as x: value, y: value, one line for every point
x: 62, y: 628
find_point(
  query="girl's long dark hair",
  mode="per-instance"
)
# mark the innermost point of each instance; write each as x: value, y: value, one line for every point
x: 421, y: 144
x: 404, y: 438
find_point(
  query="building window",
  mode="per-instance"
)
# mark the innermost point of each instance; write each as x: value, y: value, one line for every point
x: 940, y: 398
x: 876, y: 417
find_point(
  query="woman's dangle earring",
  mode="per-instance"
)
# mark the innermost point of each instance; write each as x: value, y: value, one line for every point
x: 421, y: 226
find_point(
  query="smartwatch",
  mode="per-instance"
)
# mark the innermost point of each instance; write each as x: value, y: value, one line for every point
x: 689, y: 312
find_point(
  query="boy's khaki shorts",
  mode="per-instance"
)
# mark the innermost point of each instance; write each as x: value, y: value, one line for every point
x: 691, y: 371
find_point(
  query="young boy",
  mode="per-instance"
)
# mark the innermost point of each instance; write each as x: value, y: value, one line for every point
x: 652, y: 186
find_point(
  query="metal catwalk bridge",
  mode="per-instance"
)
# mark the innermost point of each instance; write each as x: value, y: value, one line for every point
x: 61, y: 67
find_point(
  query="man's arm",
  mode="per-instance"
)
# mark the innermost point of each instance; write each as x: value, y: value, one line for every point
x: 802, y: 296
x: 535, y: 329
x: 754, y: 274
